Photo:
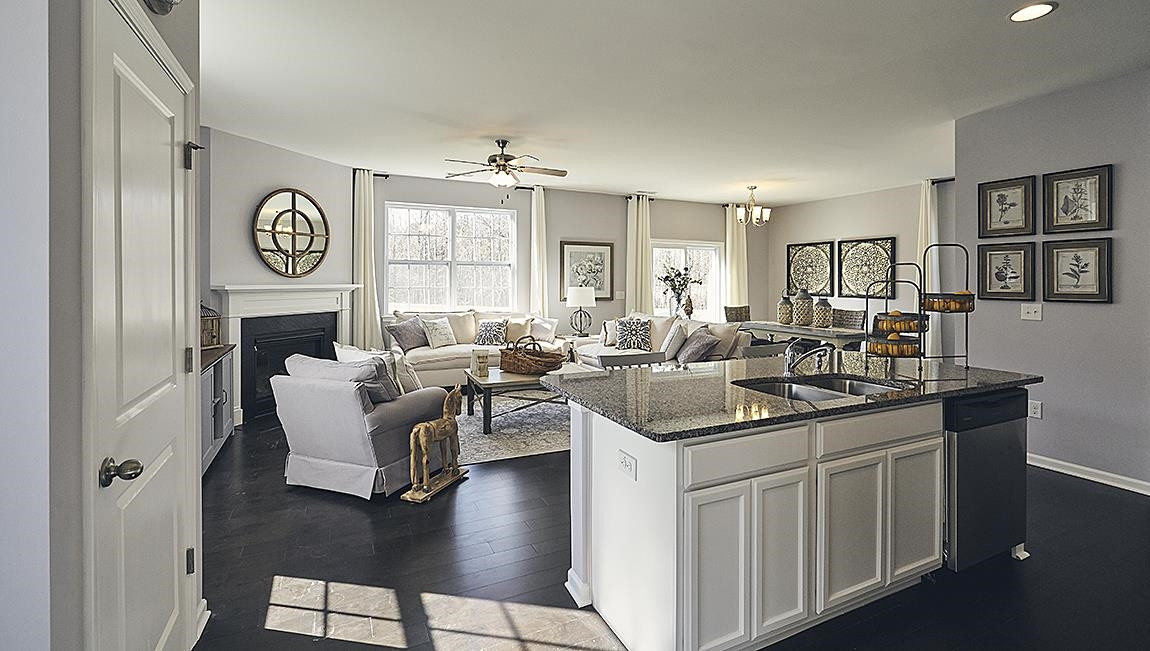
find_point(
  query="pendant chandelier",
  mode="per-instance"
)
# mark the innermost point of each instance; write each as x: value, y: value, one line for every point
x: 752, y: 213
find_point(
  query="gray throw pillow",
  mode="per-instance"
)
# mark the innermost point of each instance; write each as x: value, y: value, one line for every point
x: 371, y: 373
x: 633, y: 334
x: 698, y: 346
x: 408, y: 334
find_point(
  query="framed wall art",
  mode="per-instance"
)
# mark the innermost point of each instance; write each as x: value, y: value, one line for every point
x: 1077, y: 200
x: 1006, y: 207
x: 1078, y: 270
x: 810, y: 266
x: 863, y: 261
x: 587, y: 264
x: 1006, y: 271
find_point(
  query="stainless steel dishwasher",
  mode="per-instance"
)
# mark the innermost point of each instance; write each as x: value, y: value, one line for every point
x: 986, y: 477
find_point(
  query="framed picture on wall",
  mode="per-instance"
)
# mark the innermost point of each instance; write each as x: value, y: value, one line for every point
x: 1006, y: 271
x: 1078, y: 270
x: 810, y: 266
x: 1006, y: 207
x: 587, y: 264
x: 862, y: 262
x: 1077, y: 200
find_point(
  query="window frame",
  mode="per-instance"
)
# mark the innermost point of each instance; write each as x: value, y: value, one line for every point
x: 451, y: 263
x: 718, y: 247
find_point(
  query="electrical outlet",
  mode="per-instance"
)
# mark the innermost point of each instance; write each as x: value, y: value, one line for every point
x: 620, y: 295
x: 1035, y: 410
x: 628, y: 465
x: 1032, y: 311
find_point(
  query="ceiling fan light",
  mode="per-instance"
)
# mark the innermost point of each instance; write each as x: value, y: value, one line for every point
x: 503, y: 179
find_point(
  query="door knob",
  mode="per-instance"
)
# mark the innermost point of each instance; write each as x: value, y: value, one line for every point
x: 128, y: 470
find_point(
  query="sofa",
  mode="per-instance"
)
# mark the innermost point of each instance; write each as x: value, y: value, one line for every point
x: 443, y: 366
x: 606, y: 352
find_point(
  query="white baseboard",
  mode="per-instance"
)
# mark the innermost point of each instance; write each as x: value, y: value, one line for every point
x: 1093, y: 474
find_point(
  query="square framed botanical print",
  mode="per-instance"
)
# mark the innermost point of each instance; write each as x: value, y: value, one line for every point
x: 1078, y: 270
x: 1006, y: 271
x: 1006, y: 207
x: 1077, y: 200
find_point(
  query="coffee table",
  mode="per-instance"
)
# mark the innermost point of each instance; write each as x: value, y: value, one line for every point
x: 499, y: 382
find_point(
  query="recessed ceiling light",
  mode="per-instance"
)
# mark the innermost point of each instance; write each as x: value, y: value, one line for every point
x: 1033, y: 12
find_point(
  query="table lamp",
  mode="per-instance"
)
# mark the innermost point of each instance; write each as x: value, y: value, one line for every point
x: 580, y: 297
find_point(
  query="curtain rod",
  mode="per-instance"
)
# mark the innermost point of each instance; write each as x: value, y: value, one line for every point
x: 945, y: 179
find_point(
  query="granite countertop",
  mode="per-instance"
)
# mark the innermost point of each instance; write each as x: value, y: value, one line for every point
x: 670, y: 403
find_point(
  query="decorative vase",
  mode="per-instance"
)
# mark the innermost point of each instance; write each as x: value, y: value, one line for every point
x: 822, y: 314
x: 786, y: 310
x: 688, y: 307
x: 804, y: 311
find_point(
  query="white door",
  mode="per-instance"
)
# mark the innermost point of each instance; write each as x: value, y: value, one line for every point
x: 718, y: 567
x: 779, y: 550
x: 914, y: 494
x: 849, y: 545
x: 137, y: 392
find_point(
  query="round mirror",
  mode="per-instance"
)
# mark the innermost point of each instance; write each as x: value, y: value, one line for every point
x: 290, y: 232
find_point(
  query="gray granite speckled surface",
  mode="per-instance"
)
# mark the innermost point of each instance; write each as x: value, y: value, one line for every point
x: 668, y: 403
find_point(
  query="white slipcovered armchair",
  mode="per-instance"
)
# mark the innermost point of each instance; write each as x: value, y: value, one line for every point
x: 339, y: 441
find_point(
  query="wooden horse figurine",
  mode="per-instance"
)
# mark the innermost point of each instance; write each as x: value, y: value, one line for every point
x: 445, y: 432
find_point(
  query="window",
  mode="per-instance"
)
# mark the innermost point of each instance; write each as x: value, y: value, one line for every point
x: 705, y: 261
x: 447, y: 258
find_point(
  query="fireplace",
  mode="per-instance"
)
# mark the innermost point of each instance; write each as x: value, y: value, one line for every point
x: 267, y: 341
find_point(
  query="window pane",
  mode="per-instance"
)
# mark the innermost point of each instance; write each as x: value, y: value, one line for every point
x: 704, y: 264
x: 483, y: 286
x: 416, y: 286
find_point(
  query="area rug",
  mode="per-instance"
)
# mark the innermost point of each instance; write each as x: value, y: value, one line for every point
x: 537, y: 429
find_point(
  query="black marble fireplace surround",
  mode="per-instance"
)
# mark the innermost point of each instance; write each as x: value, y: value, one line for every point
x: 266, y: 341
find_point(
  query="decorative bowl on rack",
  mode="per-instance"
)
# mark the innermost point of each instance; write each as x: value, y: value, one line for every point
x: 948, y: 302
x: 895, y: 321
x: 901, y: 345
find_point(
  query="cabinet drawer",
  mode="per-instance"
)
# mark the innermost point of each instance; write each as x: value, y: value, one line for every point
x: 846, y: 434
x: 745, y: 455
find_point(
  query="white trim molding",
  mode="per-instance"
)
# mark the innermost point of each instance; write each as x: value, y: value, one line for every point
x: 1092, y: 474
x: 243, y: 301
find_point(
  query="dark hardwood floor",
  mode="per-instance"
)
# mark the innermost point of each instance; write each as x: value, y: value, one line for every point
x: 483, y: 565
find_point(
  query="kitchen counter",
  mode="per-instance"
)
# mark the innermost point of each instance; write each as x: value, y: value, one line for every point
x: 669, y: 403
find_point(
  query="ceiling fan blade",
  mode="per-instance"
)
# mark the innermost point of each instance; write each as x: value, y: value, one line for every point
x: 541, y: 170
x: 534, y: 158
x: 469, y: 162
x: 451, y: 176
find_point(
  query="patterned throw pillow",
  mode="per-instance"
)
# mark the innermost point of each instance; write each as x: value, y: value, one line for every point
x: 698, y: 346
x: 439, y: 332
x: 408, y: 334
x: 492, y: 332
x: 633, y: 334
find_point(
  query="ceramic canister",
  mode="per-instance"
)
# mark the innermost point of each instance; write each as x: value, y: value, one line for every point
x: 822, y: 314
x: 804, y: 308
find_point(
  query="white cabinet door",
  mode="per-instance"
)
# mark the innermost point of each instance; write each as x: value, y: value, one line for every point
x: 207, y: 416
x: 849, y: 545
x: 779, y: 550
x: 718, y: 567
x: 914, y: 490
x: 225, y: 420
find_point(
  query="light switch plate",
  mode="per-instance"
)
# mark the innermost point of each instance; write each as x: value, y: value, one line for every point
x: 1034, y: 409
x: 628, y: 465
x: 620, y: 295
x: 1032, y: 311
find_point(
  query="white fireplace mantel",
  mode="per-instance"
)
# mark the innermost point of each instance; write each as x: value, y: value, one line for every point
x: 243, y: 301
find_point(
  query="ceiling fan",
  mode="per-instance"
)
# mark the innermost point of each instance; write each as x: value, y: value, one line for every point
x: 505, y: 168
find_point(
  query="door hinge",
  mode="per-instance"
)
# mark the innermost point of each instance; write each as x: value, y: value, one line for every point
x: 189, y: 354
x: 191, y: 560
x: 190, y: 149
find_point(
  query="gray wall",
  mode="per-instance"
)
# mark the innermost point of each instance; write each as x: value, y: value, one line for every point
x: 244, y: 171
x: 872, y: 214
x: 1094, y: 357
x: 25, y: 607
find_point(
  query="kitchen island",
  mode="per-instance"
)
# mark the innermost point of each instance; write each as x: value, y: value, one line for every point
x: 712, y: 511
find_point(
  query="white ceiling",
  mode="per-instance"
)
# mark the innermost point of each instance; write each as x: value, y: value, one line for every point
x: 692, y: 100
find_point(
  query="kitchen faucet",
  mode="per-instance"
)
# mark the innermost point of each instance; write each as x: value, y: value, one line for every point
x: 790, y: 361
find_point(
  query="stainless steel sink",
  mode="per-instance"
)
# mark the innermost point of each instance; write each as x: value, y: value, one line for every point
x: 846, y: 385
x: 795, y: 391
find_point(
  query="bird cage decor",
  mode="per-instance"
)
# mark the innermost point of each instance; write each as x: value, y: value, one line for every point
x: 209, y: 327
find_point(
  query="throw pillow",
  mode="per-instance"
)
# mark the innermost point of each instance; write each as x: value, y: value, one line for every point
x: 408, y: 334
x: 544, y: 329
x: 405, y: 373
x: 661, y: 327
x: 371, y: 373
x: 634, y: 334
x: 727, y: 333
x: 674, y: 341
x: 439, y: 332
x: 697, y: 346
x: 352, y: 354
x: 492, y: 332
x: 462, y: 323
x: 609, y: 335
x: 518, y: 327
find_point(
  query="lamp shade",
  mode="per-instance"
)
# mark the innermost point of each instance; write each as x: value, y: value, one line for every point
x: 580, y: 297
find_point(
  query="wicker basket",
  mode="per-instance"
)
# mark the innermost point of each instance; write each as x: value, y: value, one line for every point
x: 885, y: 322
x: 948, y: 303
x: 905, y: 346
x: 527, y: 357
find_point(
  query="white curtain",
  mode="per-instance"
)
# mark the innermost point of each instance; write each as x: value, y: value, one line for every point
x: 640, y: 280
x: 927, y: 235
x: 539, y: 298
x: 366, y: 330
x: 736, y: 251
